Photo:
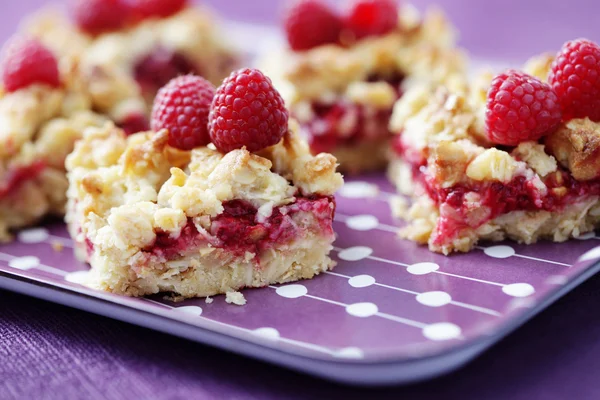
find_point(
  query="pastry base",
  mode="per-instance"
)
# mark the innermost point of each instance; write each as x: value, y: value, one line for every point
x: 521, y: 226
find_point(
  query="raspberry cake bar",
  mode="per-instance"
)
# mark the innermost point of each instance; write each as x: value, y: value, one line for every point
x: 43, y: 110
x: 222, y: 194
x: 516, y: 156
x: 128, y: 49
x: 343, y: 74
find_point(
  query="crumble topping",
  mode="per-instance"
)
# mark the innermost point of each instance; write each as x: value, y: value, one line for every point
x: 130, y: 187
x: 57, y: 33
x: 539, y: 66
x: 493, y: 165
x: 536, y: 158
x: 428, y: 115
x: 576, y: 146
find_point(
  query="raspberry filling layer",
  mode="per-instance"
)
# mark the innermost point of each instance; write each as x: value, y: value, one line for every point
x: 238, y: 230
x: 159, y: 67
x: 17, y: 176
x: 135, y: 123
x: 471, y: 205
x: 348, y: 124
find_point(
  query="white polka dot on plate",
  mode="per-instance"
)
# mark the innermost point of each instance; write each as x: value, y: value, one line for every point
x: 355, y: 253
x: 361, y: 281
x: 362, y: 222
x: 591, y: 255
x: 499, y: 251
x: 521, y: 302
x: 267, y: 333
x: 193, y: 310
x: 358, y: 190
x: 434, y: 299
x: 423, y: 268
x: 586, y: 236
x: 518, y: 289
x: 350, y: 352
x: 442, y: 331
x: 557, y: 280
x: 292, y: 291
x: 362, y: 310
x: 79, y: 277
x: 24, y: 263
x: 36, y: 235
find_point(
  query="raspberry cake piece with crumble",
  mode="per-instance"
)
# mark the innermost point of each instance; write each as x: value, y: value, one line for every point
x: 43, y: 110
x: 343, y: 73
x: 222, y: 194
x: 128, y: 49
x: 514, y: 156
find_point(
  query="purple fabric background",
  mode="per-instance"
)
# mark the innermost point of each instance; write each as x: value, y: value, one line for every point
x: 48, y: 351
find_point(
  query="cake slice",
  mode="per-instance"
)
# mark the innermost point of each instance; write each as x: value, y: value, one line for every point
x: 342, y: 74
x: 166, y: 211
x: 130, y: 49
x: 43, y: 110
x: 513, y: 157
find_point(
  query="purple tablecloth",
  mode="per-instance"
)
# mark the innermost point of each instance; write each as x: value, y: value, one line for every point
x: 48, y: 351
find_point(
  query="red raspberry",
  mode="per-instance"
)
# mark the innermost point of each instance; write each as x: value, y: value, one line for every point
x: 182, y: 107
x: 310, y: 23
x: 157, y: 8
x: 100, y: 16
x: 519, y: 108
x: 575, y: 77
x: 372, y: 18
x: 247, y: 111
x: 26, y: 61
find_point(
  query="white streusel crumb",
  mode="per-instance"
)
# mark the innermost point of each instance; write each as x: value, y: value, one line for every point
x: 236, y: 298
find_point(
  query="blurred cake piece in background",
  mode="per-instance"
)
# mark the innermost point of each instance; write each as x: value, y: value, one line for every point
x: 44, y: 109
x: 127, y: 50
x: 342, y: 74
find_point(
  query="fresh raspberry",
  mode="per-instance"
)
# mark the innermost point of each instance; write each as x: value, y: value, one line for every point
x: 26, y: 61
x: 519, y: 108
x: 575, y: 77
x: 247, y: 111
x: 157, y: 8
x: 100, y: 16
x: 310, y: 23
x: 182, y: 107
x: 372, y: 18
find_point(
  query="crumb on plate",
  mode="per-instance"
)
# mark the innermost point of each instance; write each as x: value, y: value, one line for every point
x: 236, y: 298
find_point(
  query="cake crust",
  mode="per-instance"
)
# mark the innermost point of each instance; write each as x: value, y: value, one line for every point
x: 149, y: 218
x: 466, y: 190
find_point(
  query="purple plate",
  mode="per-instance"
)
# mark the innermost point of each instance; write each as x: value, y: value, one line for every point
x: 391, y: 311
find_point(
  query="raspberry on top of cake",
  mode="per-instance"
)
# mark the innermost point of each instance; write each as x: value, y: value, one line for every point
x: 344, y: 71
x: 128, y: 49
x: 222, y: 194
x: 512, y: 156
x: 43, y: 110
